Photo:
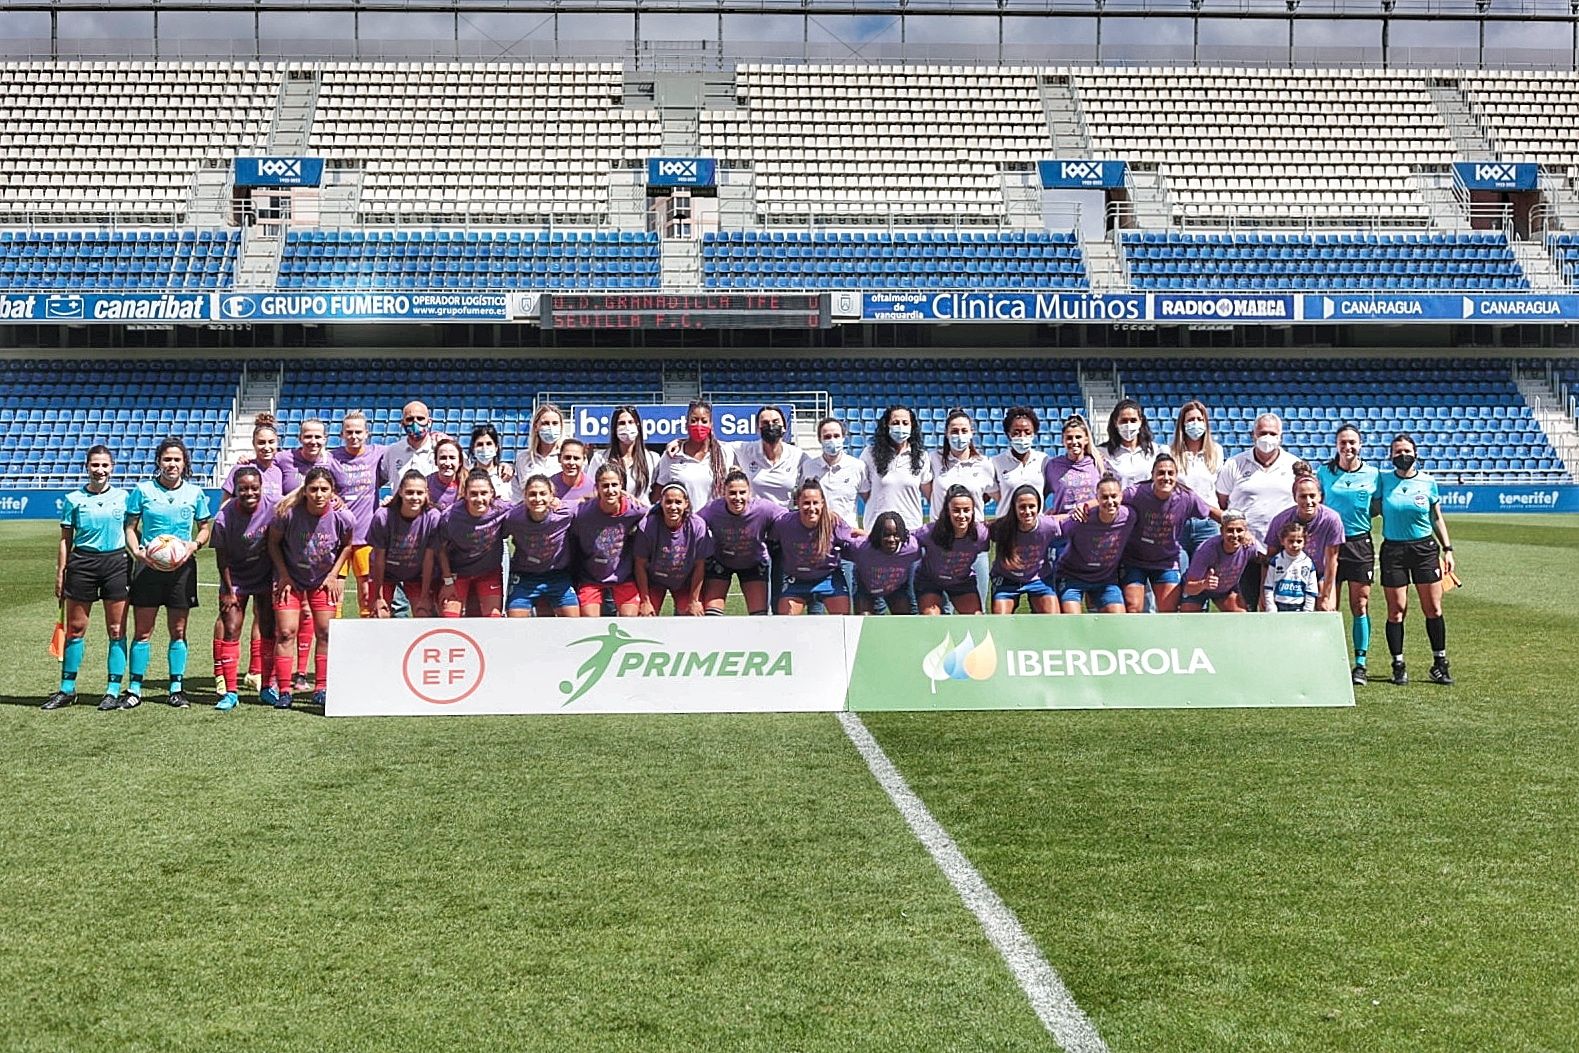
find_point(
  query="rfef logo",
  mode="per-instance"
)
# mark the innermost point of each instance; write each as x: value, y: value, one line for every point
x: 443, y: 666
x: 967, y: 660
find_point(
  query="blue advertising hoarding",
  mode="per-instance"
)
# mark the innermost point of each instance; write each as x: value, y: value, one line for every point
x: 1462, y: 499
x: 1497, y: 175
x: 681, y: 171
x: 68, y: 308
x: 391, y: 306
x: 278, y: 171
x: 46, y: 504
x: 1081, y: 175
x: 1004, y: 307
x: 1436, y: 307
x: 732, y: 422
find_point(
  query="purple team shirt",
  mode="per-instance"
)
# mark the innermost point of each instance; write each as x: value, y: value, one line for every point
x: 296, y: 465
x: 573, y: 497
x: 403, y: 541
x: 540, y: 548
x: 738, y: 540
x: 880, y: 573
x: 603, y: 542
x: 672, y: 555
x: 311, y: 544
x: 799, y: 543
x: 274, y: 480
x: 1325, y: 528
x: 1229, y: 567
x: 952, y: 566
x: 441, y: 496
x: 360, y: 489
x: 1028, y: 552
x: 1070, y: 483
x: 475, y: 543
x: 1095, y: 547
x: 244, y: 541
x: 1154, y: 544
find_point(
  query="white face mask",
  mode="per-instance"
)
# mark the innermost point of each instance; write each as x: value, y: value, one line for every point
x: 1268, y: 443
x: 1020, y: 444
x: 483, y: 456
x: 626, y: 433
x: 1128, y: 430
x: 959, y: 443
x: 833, y: 447
x: 548, y: 433
x: 900, y: 433
x: 1194, y: 429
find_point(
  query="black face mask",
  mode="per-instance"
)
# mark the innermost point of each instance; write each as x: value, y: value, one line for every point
x: 771, y: 432
x: 1404, y: 461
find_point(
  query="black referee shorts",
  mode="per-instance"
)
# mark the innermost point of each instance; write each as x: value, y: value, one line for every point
x: 1410, y: 561
x: 94, y: 576
x: 175, y: 589
x: 1357, y: 559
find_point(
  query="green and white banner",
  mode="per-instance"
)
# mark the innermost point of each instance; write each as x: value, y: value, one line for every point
x: 704, y: 665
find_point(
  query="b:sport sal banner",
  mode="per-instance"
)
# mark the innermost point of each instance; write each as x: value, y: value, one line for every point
x: 420, y: 667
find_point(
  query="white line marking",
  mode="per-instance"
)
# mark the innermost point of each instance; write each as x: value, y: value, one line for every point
x: 1054, y: 1005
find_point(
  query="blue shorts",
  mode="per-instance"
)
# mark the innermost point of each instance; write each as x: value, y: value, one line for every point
x: 816, y: 588
x: 553, y: 588
x: 1149, y: 576
x: 1206, y: 599
x: 1013, y: 590
x: 1099, y: 594
x: 928, y: 586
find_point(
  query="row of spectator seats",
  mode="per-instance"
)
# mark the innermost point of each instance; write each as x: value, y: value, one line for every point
x: 118, y: 259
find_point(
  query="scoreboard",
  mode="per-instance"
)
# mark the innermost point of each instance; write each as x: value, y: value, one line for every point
x: 652, y: 310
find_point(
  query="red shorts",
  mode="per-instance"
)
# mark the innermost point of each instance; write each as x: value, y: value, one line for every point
x: 314, y: 600
x: 682, y: 599
x: 413, y: 590
x: 625, y: 594
x: 480, y: 585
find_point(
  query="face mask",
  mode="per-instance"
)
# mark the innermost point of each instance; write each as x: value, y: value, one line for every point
x: 483, y: 457
x: 1268, y: 443
x: 959, y: 443
x: 771, y: 432
x: 1194, y: 429
x: 1128, y: 430
x: 833, y: 447
x: 899, y: 433
x: 548, y: 433
x: 415, y: 429
x: 626, y: 433
x: 699, y: 432
x: 1404, y: 461
x: 1020, y: 444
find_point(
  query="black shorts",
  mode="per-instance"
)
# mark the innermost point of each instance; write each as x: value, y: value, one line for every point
x: 97, y: 575
x: 175, y: 589
x: 1410, y: 561
x: 1357, y: 559
x: 716, y: 571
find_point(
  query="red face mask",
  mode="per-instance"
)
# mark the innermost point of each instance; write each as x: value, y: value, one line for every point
x: 700, y: 432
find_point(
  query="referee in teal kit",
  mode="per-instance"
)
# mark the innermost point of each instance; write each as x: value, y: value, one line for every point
x: 1415, y: 548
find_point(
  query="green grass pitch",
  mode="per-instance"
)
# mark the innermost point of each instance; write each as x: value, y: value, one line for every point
x: 1400, y: 876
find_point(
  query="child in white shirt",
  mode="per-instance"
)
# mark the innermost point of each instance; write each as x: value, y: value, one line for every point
x: 1290, y: 583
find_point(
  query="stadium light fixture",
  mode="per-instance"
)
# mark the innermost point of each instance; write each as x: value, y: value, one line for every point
x: 1482, y: 6
x: 1196, y: 5
x: 1293, y: 5
x: 1388, y: 5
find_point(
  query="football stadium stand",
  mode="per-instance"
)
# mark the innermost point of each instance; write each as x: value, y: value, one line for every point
x: 124, y: 259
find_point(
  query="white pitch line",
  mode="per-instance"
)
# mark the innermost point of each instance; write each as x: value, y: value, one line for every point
x: 1054, y: 1005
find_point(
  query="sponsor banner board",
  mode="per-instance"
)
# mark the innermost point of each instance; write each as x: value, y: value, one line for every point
x: 1437, y: 307
x: 681, y: 171
x: 278, y: 171
x: 73, y: 308
x: 1497, y: 175
x: 1094, y: 661
x: 1046, y: 307
x: 452, y: 305
x: 47, y: 504
x: 1462, y: 499
x: 732, y: 422
x: 433, y: 667
x: 1081, y: 175
x: 1222, y: 307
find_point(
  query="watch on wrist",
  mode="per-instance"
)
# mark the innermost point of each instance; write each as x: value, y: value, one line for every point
x: 449, y: 580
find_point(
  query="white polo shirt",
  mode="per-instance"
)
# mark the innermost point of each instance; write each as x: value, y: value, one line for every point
x: 771, y: 480
x: 978, y: 475
x: 1259, y: 492
x: 1012, y: 473
x: 1133, y: 466
x: 842, y: 480
x: 399, y: 457
x: 693, y: 474
x: 898, y: 491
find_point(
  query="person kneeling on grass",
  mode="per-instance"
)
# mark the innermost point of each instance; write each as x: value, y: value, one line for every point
x: 883, y: 563
x: 950, y: 548
x: 470, y: 545
x: 671, y: 550
x: 402, y: 556
x: 1088, y: 570
x: 310, y: 541
x: 603, y: 531
x: 1215, y: 569
x: 813, y: 538
x: 539, y: 530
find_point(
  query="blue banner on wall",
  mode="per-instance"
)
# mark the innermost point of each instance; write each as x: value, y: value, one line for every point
x: 1405, y: 307
x: 66, y: 308
x: 454, y: 306
x: 1004, y: 307
x: 46, y: 504
x: 1555, y: 498
x: 681, y: 171
x: 661, y: 423
x: 279, y: 171
x: 1081, y: 175
x: 1497, y: 175
x: 1231, y: 307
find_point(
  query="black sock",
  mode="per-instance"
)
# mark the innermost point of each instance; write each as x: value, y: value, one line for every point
x: 1395, y: 640
x: 1436, y: 632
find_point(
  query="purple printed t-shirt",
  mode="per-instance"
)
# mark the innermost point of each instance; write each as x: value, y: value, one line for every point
x: 1325, y: 528
x: 1095, y: 547
x: 879, y: 572
x: 441, y: 496
x: 540, y: 548
x: 603, y: 542
x: 738, y: 540
x: 1154, y: 545
x: 799, y: 543
x: 672, y: 555
x: 952, y: 566
x: 244, y: 541
x: 1070, y: 483
x: 1027, y: 552
x: 573, y: 497
x: 274, y: 480
x: 311, y: 544
x: 296, y: 466
x: 360, y: 489
x: 403, y: 541
x: 475, y: 544
x: 1229, y: 566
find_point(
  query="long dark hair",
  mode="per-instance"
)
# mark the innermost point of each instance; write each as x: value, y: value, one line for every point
x: 639, y: 481
x: 715, y: 449
x: 1007, y: 525
x: 1143, y: 441
x: 1332, y: 464
x: 891, y: 521
x: 943, y: 527
x: 174, y: 442
x: 411, y: 475
x: 948, y: 448
x: 292, y: 499
x: 830, y: 519
x: 883, y: 446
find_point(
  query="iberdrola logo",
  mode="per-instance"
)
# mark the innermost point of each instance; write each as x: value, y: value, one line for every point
x: 967, y: 660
